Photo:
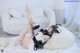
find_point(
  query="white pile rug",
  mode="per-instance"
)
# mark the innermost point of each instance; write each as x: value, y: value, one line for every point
x: 20, y: 49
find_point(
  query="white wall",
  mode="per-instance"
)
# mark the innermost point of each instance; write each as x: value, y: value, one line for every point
x: 59, y: 4
x: 6, y: 4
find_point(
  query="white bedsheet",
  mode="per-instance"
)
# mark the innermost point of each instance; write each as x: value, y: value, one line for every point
x: 20, y: 49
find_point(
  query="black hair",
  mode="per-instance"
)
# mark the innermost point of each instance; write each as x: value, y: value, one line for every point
x: 54, y: 28
x: 37, y: 44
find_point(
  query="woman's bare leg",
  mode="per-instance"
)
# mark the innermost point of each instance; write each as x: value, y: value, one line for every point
x: 27, y: 38
x: 22, y: 34
x: 28, y: 27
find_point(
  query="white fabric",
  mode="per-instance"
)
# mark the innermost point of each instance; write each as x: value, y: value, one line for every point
x: 39, y: 36
x: 15, y: 13
x: 20, y: 49
x: 17, y: 24
x: 62, y: 40
x: 48, y: 12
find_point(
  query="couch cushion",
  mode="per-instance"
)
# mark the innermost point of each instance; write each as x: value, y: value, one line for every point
x: 17, y: 24
x: 64, y: 40
x: 15, y: 13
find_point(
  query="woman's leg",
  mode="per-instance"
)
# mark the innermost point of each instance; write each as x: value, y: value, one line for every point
x: 22, y: 34
x: 28, y: 27
x: 27, y: 38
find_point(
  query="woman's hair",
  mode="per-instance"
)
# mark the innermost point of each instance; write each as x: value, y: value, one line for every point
x: 54, y: 29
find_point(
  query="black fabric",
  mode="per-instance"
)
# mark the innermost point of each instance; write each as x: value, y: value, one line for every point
x: 36, y: 27
x: 37, y: 44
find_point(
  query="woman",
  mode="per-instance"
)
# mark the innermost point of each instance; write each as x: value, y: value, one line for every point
x: 43, y: 36
x: 28, y: 32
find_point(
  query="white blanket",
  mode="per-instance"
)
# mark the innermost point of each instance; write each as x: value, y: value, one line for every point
x: 20, y: 49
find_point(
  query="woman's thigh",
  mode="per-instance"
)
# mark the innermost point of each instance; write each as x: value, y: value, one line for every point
x: 26, y: 40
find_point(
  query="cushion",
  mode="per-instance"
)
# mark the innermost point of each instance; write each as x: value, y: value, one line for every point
x: 17, y: 24
x: 64, y: 40
x: 15, y: 13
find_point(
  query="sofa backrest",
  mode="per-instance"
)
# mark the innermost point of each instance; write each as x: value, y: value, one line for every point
x: 41, y: 3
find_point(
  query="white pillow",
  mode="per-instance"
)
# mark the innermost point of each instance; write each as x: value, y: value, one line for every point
x: 65, y: 39
x: 15, y: 13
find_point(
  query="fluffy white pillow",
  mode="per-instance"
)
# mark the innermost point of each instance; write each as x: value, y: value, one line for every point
x: 15, y: 13
x: 63, y: 40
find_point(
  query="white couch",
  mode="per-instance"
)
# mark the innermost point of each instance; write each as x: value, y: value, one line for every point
x: 14, y: 25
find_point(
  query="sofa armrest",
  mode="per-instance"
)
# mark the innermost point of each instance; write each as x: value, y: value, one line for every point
x: 51, y: 16
x: 5, y: 20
